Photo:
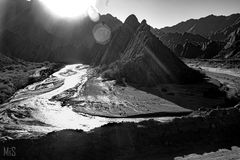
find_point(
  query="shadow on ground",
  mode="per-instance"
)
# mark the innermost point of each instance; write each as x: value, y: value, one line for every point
x: 206, y: 94
x: 146, y: 140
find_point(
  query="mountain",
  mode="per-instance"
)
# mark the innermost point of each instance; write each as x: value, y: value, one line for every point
x: 33, y: 35
x: 191, y: 50
x: 232, y: 48
x: 190, y: 45
x: 207, y: 37
x: 204, y: 26
x: 224, y: 34
x: 119, y: 41
x: 207, y: 51
x: 173, y: 39
x: 146, y: 61
x: 132, y: 53
x: 212, y: 49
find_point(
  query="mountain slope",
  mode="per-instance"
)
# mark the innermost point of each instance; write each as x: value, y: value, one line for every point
x: 33, y: 35
x: 147, y: 62
x: 224, y: 34
x: 173, y: 39
x: 207, y: 37
x: 203, y: 26
x: 141, y: 57
x: 232, y: 48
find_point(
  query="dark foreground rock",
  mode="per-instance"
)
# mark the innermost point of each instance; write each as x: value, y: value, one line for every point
x: 201, y: 132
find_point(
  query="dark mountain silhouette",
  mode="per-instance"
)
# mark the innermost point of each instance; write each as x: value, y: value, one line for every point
x: 28, y: 37
x: 203, y: 26
x: 133, y: 52
x: 118, y: 43
x: 147, y: 61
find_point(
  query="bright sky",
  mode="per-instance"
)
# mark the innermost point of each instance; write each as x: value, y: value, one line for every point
x: 161, y: 13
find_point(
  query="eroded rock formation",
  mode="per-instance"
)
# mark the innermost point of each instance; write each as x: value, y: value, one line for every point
x: 147, y: 61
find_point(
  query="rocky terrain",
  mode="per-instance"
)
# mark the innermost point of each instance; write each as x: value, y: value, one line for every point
x: 232, y: 48
x: 146, y: 61
x: 221, y: 154
x: 225, y: 71
x: 205, y: 125
x: 224, y: 33
x: 173, y: 39
x: 199, y: 38
x: 227, y: 64
x: 205, y: 26
x: 133, y: 53
x: 200, y: 133
x: 124, y: 94
x: 17, y: 74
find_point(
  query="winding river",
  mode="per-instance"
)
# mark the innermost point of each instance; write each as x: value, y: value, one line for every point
x: 31, y: 113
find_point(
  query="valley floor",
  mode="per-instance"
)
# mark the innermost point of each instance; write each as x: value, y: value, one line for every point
x: 122, y: 122
x: 200, y: 133
x: 226, y: 72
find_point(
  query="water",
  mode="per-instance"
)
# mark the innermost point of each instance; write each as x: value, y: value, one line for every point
x: 30, y: 113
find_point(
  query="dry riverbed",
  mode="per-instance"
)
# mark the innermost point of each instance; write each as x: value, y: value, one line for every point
x: 127, y: 122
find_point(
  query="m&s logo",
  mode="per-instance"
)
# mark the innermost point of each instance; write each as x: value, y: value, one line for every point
x: 9, y: 151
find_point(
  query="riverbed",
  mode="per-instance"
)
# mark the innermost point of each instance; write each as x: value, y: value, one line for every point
x: 31, y: 112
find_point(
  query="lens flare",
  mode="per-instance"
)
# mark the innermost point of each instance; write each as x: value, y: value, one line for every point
x: 68, y: 8
x: 102, y: 33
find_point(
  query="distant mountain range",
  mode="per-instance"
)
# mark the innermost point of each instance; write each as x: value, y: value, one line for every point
x: 206, y: 37
x: 204, y: 26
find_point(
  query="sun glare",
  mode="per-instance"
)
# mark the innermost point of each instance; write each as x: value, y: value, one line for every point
x: 68, y: 8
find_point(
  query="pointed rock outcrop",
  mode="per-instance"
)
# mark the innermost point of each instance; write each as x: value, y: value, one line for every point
x: 147, y: 61
x: 119, y: 41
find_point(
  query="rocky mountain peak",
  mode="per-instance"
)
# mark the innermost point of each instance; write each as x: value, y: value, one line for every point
x: 132, y: 22
x: 144, y: 21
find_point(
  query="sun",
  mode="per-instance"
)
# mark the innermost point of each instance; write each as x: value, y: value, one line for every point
x: 68, y: 8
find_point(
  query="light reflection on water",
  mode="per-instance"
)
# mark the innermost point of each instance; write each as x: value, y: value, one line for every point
x: 31, y: 113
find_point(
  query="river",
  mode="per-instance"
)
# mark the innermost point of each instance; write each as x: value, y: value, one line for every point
x: 31, y: 113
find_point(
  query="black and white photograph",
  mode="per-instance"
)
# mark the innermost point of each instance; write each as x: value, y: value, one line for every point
x: 119, y: 79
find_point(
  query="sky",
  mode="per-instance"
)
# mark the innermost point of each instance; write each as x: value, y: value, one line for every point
x: 161, y: 13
